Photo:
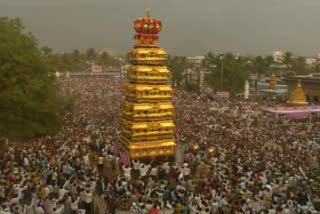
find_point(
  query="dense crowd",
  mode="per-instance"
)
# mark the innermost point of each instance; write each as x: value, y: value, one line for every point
x: 230, y: 159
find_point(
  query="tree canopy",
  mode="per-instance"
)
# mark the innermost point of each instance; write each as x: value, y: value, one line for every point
x: 227, y: 72
x: 30, y: 104
x: 77, y: 61
x: 177, y: 65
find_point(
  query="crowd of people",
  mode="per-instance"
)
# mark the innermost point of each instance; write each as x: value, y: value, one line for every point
x: 232, y: 159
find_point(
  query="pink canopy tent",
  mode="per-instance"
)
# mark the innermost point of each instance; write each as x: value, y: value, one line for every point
x: 297, y: 113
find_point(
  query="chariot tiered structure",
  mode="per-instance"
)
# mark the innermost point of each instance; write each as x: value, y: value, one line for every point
x: 147, y: 127
x: 273, y: 82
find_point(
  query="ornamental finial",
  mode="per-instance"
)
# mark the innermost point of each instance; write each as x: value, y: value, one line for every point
x: 148, y: 13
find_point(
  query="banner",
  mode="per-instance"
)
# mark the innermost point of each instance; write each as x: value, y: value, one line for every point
x: 96, y: 69
x: 223, y: 94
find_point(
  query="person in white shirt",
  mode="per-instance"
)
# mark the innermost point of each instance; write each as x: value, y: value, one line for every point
x: 214, y: 207
x: 15, y: 200
x: 136, y: 167
x: 29, y: 208
x: 62, y: 192
x: 100, y: 163
x: 25, y: 161
x: 185, y: 170
x: 38, y: 210
x: 166, y: 166
x: 87, y: 199
x: 59, y: 210
x: 127, y: 172
x: 143, y: 169
x: 50, y: 205
x: 74, y: 204
x: 86, y: 159
x: 154, y: 171
x: 286, y: 210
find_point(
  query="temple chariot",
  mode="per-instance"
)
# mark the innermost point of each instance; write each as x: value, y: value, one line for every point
x: 147, y: 127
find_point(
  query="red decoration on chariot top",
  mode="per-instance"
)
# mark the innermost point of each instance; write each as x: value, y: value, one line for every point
x: 147, y: 29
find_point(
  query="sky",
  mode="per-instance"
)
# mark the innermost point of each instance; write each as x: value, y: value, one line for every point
x: 191, y: 27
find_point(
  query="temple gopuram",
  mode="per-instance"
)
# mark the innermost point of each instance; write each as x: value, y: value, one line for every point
x: 297, y: 97
x: 310, y: 83
x: 147, y: 127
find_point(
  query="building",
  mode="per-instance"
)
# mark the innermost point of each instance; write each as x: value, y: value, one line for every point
x: 271, y: 87
x: 310, y: 85
x: 196, y: 73
x: 196, y: 60
x: 264, y: 84
x: 311, y: 61
x: 318, y: 59
x: 278, y: 56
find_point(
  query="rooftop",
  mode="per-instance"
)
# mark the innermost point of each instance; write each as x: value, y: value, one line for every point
x: 313, y: 76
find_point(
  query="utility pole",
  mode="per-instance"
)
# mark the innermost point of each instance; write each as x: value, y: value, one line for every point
x: 221, y: 58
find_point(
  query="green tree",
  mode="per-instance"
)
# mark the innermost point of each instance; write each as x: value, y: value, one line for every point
x: 48, y: 56
x: 259, y: 65
x: 177, y: 66
x: 299, y: 65
x: 287, y: 60
x: 66, y: 62
x: 269, y: 60
x: 233, y: 70
x: 209, y: 61
x: 46, y: 51
x: 105, y: 59
x: 317, y: 68
x: 29, y: 101
x: 77, y: 61
x: 91, y: 54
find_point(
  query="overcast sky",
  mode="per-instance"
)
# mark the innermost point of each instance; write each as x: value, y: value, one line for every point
x: 191, y: 27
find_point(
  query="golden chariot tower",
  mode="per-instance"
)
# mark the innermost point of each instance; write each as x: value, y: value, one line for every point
x: 147, y: 127
x: 273, y: 82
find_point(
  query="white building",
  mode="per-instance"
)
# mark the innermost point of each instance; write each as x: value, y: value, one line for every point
x: 278, y: 56
x: 196, y: 60
x: 318, y: 59
x: 310, y: 61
